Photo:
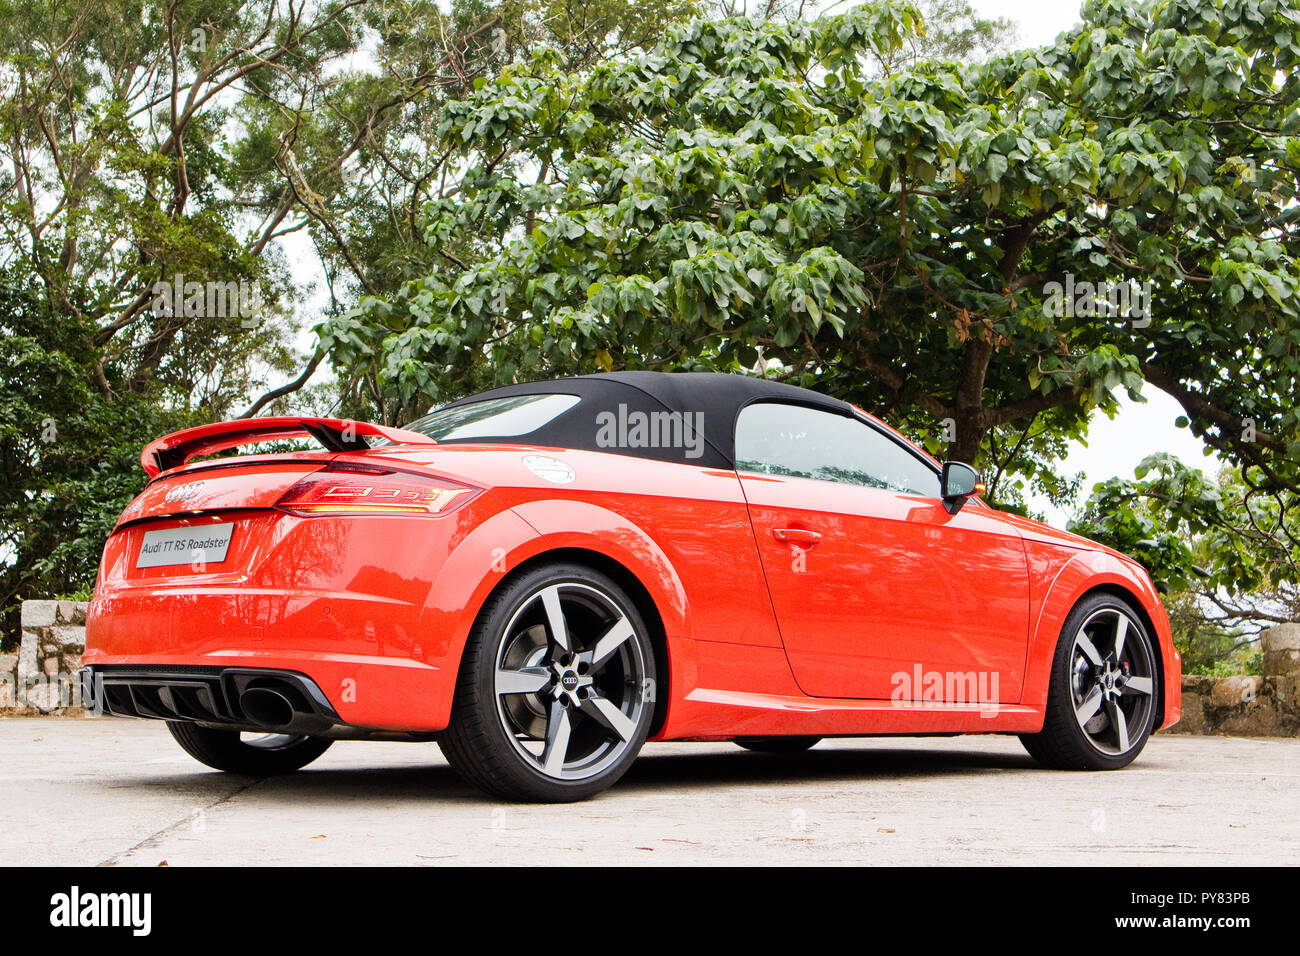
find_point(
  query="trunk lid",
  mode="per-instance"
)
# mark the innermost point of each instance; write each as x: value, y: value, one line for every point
x: 238, y: 483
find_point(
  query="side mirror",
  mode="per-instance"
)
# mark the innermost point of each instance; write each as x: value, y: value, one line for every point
x: 959, y: 482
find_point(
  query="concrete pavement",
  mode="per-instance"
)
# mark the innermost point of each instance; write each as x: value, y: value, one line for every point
x: 104, y: 791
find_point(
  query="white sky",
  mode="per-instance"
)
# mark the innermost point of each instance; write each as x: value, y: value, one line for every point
x: 1038, y: 22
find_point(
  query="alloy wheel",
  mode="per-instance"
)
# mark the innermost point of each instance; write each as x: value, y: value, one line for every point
x: 570, y: 681
x: 1112, y: 681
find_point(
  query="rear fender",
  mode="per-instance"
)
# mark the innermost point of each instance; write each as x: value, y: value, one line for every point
x: 615, y: 537
x: 501, y: 544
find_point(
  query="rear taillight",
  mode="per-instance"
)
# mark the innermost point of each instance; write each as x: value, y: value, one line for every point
x: 366, y: 490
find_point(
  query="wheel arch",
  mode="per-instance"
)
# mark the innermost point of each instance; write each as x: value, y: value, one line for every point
x: 1075, y: 577
x: 494, y: 549
x: 625, y: 578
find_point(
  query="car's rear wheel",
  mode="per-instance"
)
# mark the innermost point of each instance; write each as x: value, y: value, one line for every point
x: 778, y: 745
x: 1101, y: 703
x: 555, y: 693
x: 257, y: 755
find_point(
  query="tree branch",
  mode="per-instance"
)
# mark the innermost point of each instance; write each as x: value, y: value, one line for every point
x: 287, y: 388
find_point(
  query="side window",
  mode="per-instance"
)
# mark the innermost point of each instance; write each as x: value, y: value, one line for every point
x: 775, y: 439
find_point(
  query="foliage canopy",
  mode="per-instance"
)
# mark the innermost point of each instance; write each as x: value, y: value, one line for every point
x: 749, y: 193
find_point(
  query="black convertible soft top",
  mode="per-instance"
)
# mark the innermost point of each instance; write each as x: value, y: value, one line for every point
x: 623, y: 401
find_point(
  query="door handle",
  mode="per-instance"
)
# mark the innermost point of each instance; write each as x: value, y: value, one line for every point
x: 798, y: 537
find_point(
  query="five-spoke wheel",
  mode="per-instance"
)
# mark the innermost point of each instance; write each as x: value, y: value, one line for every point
x: 1102, y: 699
x: 556, y: 691
x: 1111, y: 680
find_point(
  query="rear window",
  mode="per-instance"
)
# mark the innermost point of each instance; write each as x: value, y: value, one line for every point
x: 493, y: 417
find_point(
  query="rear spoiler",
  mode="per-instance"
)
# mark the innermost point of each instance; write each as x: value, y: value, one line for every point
x: 335, y: 434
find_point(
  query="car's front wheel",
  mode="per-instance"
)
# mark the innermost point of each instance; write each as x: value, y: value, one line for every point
x: 257, y: 755
x: 1101, y: 702
x: 556, y: 688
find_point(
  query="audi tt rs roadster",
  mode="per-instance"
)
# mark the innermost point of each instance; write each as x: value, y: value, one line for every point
x: 544, y: 576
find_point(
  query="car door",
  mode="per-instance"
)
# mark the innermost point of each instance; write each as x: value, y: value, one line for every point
x: 879, y: 592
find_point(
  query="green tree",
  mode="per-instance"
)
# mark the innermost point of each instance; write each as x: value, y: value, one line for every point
x: 114, y: 134
x: 363, y: 201
x: 69, y: 460
x: 141, y: 141
x: 752, y: 195
x: 127, y: 160
x: 1227, y: 549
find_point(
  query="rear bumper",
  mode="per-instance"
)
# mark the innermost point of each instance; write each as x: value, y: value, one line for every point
x: 218, y: 697
x: 211, y: 696
x: 367, y: 661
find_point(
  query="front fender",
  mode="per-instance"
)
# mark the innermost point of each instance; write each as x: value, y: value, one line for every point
x: 1071, y: 574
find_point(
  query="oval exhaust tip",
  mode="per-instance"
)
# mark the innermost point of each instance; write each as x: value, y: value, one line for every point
x: 266, y: 707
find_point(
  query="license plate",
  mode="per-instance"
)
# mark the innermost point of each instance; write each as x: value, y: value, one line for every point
x: 197, y: 546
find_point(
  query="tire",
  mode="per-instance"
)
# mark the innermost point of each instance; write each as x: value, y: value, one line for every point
x: 777, y: 745
x: 1101, y: 702
x: 556, y: 688
x: 225, y: 750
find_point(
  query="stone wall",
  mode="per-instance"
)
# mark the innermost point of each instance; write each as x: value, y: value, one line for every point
x: 41, y: 677
x: 1241, y: 706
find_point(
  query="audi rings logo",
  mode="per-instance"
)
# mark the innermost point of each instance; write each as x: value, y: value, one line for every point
x: 186, y: 492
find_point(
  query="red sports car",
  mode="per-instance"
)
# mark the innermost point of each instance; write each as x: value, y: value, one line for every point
x: 542, y: 577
